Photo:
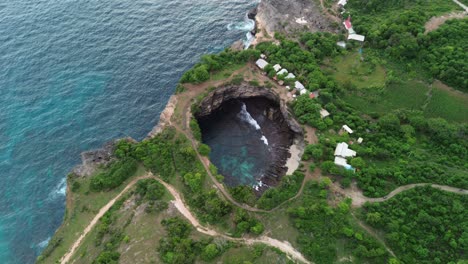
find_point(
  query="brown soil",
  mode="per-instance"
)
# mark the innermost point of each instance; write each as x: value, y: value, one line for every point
x: 435, y: 22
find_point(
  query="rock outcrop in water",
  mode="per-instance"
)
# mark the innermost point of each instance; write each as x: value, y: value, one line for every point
x: 290, y: 16
x: 280, y: 140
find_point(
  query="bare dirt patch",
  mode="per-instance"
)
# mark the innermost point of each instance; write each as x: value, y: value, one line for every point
x: 435, y: 22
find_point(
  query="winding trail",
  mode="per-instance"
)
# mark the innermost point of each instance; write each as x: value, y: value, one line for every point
x: 373, y: 234
x: 178, y: 202
x: 359, y: 199
x: 461, y: 5
x: 102, y: 211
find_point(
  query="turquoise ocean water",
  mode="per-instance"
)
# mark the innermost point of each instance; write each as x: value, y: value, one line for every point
x: 75, y: 74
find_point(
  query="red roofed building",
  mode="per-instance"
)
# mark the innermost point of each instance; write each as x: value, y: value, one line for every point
x: 347, y: 23
x: 311, y: 95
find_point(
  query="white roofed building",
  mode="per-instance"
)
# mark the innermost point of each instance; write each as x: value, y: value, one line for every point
x: 347, y: 129
x: 324, y: 113
x: 299, y: 86
x: 277, y: 67
x: 343, y: 151
x: 283, y: 71
x: 342, y: 2
x: 290, y: 76
x: 261, y: 63
x: 357, y: 37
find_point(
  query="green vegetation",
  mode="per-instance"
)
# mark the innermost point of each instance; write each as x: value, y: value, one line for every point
x: 216, y: 63
x: 444, y: 53
x: 353, y: 70
x: 423, y: 225
x: 322, y: 228
x: 382, y: 95
x: 397, y: 28
x: 288, y: 187
x: 400, y: 148
x: 114, y: 175
x: 304, y: 63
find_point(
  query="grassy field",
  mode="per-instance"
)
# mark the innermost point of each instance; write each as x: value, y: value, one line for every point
x: 408, y: 95
x: 82, y: 206
x: 448, y: 104
x: 254, y: 254
x: 226, y: 73
x: 370, y: 94
x: 416, y: 95
x: 361, y: 74
x: 143, y: 232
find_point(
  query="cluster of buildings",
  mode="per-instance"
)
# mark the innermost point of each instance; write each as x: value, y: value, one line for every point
x: 262, y: 64
x: 342, y: 150
x: 347, y: 23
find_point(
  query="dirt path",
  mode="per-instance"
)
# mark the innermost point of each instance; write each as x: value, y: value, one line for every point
x: 461, y: 5
x: 435, y: 22
x: 178, y: 202
x: 184, y: 210
x: 359, y: 199
x: 374, y: 234
x: 74, y: 247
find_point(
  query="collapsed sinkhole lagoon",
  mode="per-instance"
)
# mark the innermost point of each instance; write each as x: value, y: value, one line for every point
x: 249, y: 135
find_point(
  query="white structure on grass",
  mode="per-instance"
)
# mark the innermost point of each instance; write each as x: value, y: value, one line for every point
x: 299, y: 86
x: 283, y: 71
x: 261, y: 63
x: 324, y: 113
x: 277, y: 67
x: 357, y: 37
x: 343, y: 151
x: 347, y: 129
x: 290, y: 76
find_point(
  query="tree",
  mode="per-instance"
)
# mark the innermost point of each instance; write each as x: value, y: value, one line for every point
x: 210, y: 252
x: 204, y: 150
x: 358, y: 163
x: 390, y: 122
x: 194, y: 181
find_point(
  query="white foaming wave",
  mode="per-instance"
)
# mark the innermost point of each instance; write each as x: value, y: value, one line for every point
x: 245, y: 116
x: 247, y: 26
x: 43, y: 244
x: 258, y: 185
x: 59, y: 190
x: 265, y: 140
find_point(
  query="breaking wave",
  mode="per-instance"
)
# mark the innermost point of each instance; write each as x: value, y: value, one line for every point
x: 245, y: 116
x: 247, y: 26
x: 59, y: 190
x: 265, y: 140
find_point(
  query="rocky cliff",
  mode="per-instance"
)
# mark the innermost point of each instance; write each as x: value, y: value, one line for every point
x: 290, y: 16
x: 215, y: 99
x: 281, y: 136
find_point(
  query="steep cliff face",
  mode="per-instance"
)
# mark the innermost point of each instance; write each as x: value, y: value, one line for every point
x: 266, y: 103
x: 291, y: 16
x: 216, y: 98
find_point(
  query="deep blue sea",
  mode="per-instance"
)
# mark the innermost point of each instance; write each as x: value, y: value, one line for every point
x: 75, y: 74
